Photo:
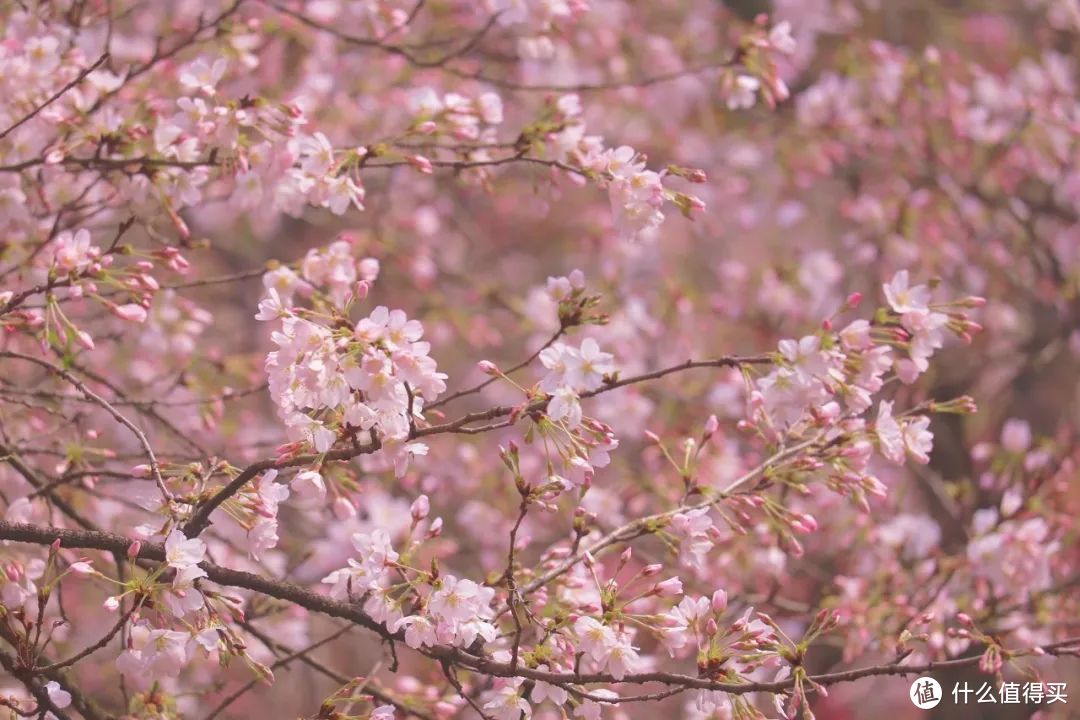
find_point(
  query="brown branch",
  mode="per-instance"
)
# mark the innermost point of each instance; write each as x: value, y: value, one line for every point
x: 90, y: 650
x: 378, y: 44
x: 601, y: 86
x: 200, y: 520
x: 442, y: 62
x: 104, y: 404
x: 501, y: 411
x: 41, y: 487
x: 642, y: 525
x: 480, y: 386
x: 289, y: 592
x: 337, y: 677
x: 60, y: 93
x: 281, y: 662
x: 32, y: 685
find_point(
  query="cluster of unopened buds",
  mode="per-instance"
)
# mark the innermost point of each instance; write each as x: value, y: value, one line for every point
x: 75, y: 275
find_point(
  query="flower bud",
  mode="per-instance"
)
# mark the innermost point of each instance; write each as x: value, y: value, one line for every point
x: 719, y: 601
x: 82, y: 567
x: 343, y: 509
x: 421, y: 163
x: 711, y: 426
x: 669, y: 588
x: 420, y: 508
x: 130, y: 312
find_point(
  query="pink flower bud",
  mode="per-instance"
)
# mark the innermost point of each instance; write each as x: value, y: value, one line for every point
x: 853, y: 300
x: 669, y: 588
x: 421, y: 163
x: 420, y: 508
x: 711, y: 426
x: 84, y: 339
x: 719, y: 601
x: 711, y: 627
x: 130, y: 312
x: 112, y: 604
x: 487, y: 367
x: 133, y: 550
x: 179, y: 264
x: 650, y: 570
x: 141, y: 471
x: 14, y: 572
x: 343, y: 509
x: 360, y: 291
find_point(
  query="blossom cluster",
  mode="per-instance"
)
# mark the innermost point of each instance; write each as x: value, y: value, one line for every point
x: 709, y: 482
x: 330, y: 377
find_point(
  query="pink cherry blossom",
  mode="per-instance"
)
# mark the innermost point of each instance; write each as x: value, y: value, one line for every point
x: 578, y: 359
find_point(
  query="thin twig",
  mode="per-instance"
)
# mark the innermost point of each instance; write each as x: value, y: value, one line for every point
x: 60, y: 93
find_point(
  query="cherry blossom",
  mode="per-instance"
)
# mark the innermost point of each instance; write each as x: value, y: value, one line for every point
x: 534, y: 358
